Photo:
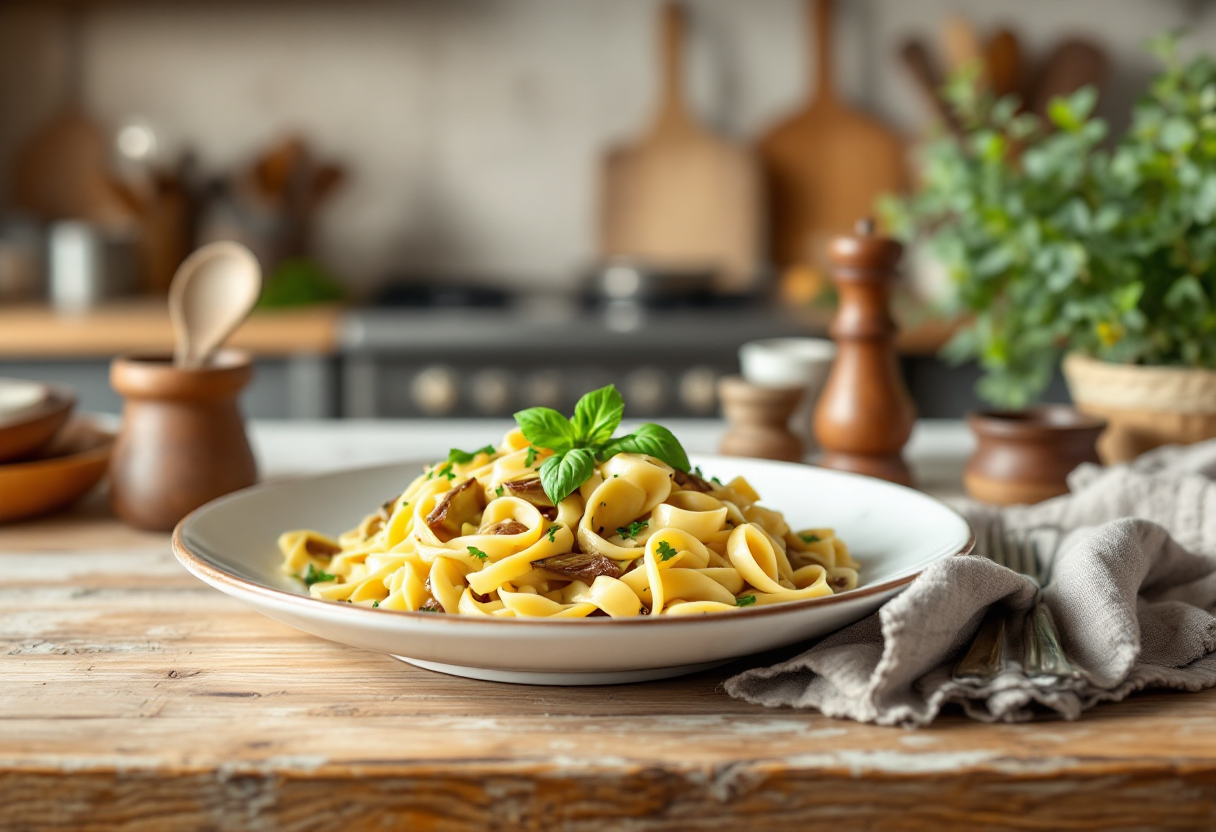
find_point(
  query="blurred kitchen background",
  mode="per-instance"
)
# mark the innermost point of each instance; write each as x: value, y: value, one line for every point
x: 424, y: 182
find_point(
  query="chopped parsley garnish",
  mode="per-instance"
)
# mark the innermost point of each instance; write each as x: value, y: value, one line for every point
x: 667, y: 552
x: 460, y: 457
x: 375, y: 603
x: 449, y: 473
x: 426, y: 609
x: 632, y: 530
x: 809, y: 538
x: 313, y: 575
x: 498, y: 491
x: 697, y: 471
x: 745, y: 601
x: 716, y: 481
x: 614, y: 476
x: 477, y: 553
x: 530, y: 457
x: 553, y: 533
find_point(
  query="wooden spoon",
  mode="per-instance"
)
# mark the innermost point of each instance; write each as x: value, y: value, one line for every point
x: 212, y: 293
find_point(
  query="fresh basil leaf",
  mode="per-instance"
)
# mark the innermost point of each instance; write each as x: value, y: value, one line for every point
x: 544, y: 427
x: 562, y: 474
x: 652, y: 440
x: 461, y: 457
x: 597, y: 415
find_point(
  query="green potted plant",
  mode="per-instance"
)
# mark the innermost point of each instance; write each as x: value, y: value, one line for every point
x: 1061, y: 244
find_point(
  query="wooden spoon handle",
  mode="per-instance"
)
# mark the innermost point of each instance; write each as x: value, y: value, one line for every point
x: 672, y: 108
x: 819, y: 15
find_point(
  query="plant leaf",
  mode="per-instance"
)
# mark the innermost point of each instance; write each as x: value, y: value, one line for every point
x: 597, y: 415
x: 544, y: 427
x: 652, y: 440
x: 561, y: 475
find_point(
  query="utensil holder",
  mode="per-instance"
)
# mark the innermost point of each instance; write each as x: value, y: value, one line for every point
x: 182, y: 441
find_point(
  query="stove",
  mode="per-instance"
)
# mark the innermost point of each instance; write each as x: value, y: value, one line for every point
x: 490, y: 359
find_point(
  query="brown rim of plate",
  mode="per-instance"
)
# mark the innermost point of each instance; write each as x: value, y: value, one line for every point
x: 197, y: 566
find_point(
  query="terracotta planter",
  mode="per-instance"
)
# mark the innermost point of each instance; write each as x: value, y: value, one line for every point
x: 1145, y: 406
x: 182, y: 441
x: 1025, y: 456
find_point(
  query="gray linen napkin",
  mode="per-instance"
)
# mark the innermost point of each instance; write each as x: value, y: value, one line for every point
x: 1133, y: 584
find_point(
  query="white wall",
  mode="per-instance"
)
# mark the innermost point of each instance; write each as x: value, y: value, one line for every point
x: 473, y: 127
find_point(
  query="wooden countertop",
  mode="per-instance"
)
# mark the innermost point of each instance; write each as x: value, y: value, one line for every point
x: 133, y: 695
x: 36, y: 331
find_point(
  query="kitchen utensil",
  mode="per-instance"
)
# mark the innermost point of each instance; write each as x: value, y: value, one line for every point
x: 182, y: 441
x: 896, y: 531
x: 924, y: 71
x: 90, y: 263
x: 1042, y: 657
x: 1074, y: 64
x: 825, y: 164
x: 680, y: 198
x: 865, y: 415
x: 1003, y: 63
x: 961, y: 45
x: 758, y: 419
x: 31, y: 414
x: 1025, y: 456
x: 57, y: 476
x: 212, y: 293
x: 63, y: 171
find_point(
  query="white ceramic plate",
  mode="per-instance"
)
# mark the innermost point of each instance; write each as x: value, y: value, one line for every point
x: 893, y: 531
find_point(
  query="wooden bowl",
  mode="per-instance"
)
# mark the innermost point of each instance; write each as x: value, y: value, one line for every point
x: 61, y: 473
x: 1025, y: 456
x: 25, y: 432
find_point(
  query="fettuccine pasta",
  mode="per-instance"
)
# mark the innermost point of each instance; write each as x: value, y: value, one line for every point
x: 638, y: 537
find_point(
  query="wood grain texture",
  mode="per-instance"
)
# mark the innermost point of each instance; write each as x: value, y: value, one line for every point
x: 142, y: 326
x: 132, y: 696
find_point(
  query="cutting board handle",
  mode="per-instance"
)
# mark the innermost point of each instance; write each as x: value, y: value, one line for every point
x: 673, y: 112
x: 819, y: 16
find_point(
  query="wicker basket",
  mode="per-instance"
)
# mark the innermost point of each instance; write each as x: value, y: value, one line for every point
x: 1145, y: 406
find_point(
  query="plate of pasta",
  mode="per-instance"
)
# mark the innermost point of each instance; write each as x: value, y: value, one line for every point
x: 564, y: 554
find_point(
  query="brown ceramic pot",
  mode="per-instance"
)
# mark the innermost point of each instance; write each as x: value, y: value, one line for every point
x: 759, y: 420
x: 182, y: 441
x: 1025, y: 456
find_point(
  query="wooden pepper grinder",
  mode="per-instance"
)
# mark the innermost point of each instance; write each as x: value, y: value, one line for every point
x: 865, y: 415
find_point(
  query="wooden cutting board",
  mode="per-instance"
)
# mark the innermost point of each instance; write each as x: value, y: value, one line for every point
x: 823, y: 168
x: 681, y: 197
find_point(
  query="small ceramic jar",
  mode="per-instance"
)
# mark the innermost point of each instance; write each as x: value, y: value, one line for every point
x: 759, y: 418
x: 1025, y: 456
x: 182, y: 441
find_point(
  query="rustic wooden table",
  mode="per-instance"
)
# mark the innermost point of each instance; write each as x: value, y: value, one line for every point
x: 133, y: 696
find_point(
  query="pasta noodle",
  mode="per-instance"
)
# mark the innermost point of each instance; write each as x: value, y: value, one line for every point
x: 638, y: 537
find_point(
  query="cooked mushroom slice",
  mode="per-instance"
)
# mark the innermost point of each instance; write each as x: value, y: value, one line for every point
x: 504, y: 527
x: 691, y: 482
x: 459, y: 506
x: 548, y: 512
x: 319, y: 547
x: 582, y: 565
x: 431, y: 605
x: 530, y: 490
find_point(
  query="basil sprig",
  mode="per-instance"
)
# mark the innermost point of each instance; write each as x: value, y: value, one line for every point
x: 579, y: 443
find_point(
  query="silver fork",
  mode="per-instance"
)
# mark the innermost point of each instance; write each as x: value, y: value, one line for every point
x: 1043, y: 659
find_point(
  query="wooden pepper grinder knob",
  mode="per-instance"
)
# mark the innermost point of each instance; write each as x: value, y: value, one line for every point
x: 865, y: 415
